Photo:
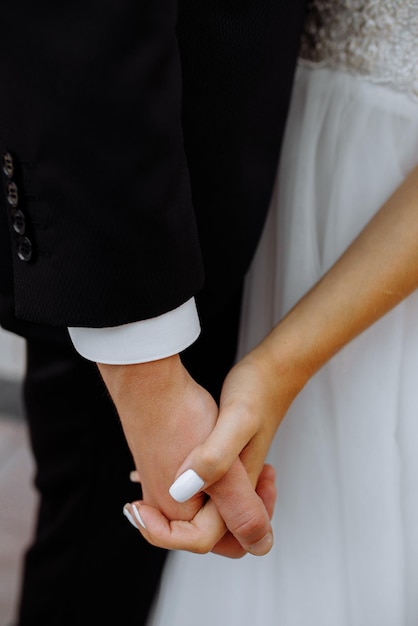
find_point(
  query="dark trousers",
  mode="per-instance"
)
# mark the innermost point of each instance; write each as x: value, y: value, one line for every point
x: 87, y: 565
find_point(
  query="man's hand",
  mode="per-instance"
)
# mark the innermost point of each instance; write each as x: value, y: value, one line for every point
x: 165, y: 414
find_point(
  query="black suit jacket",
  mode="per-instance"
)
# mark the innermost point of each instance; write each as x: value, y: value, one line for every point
x: 139, y: 140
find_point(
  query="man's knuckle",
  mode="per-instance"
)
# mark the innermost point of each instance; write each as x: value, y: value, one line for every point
x: 202, y: 547
x: 250, y: 527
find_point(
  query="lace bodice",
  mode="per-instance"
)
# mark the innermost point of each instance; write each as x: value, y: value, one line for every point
x: 376, y: 38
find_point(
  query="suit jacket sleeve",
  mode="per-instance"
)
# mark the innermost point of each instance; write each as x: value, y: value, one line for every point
x: 101, y: 220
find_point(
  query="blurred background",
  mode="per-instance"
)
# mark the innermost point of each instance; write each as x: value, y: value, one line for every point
x: 17, y: 497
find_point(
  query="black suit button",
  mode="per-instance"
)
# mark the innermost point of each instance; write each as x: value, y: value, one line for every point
x: 8, y: 167
x: 24, y: 249
x: 12, y: 194
x: 18, y: 221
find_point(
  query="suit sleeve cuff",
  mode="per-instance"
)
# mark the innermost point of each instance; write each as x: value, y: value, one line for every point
x: 140, y: 342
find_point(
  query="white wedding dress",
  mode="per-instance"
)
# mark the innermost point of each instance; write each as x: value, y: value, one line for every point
x: 346, y: 454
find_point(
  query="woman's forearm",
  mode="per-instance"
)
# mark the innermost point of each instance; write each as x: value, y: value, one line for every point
x: 377, y: 271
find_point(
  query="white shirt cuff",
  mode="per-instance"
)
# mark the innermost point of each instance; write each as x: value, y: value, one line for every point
x: 140, y: 342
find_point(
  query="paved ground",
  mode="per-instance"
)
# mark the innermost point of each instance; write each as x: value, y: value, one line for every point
x: 17, y: 497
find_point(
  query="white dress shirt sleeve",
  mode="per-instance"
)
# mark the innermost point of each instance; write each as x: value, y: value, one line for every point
x: 139, y: 342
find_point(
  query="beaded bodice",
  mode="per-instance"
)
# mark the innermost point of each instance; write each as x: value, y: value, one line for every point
x: 375, y: 38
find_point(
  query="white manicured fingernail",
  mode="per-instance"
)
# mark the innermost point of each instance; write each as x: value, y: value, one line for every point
x: 127, y: 514
x: 134, y: 477
x: 186, y: 485
x: 137, y: 515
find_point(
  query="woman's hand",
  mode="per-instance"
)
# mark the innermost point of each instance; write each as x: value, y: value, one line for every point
x: 255, y: 398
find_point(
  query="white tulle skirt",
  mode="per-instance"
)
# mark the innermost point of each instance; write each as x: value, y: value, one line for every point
x: 346, y: 454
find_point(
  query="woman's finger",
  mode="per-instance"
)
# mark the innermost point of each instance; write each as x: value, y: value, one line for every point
x: 211, y: 460
x: 199, y: 535
x: 134, y: 476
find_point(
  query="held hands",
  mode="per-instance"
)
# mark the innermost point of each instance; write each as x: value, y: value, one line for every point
x: 255, y: 397
x: 165, y: 415
x: 227, y: 452
x: 198, y: 534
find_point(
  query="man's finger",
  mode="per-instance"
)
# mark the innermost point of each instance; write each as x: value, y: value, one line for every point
x: 266, y: 489
x: 243, y: 510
